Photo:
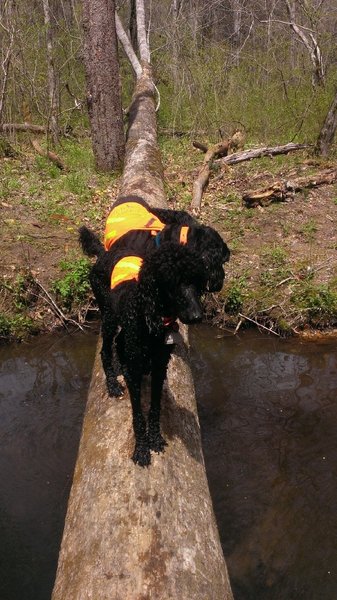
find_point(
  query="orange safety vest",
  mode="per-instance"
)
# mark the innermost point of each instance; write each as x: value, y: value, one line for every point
x: 129, y: 216
x: 126, y: 269
x: 126, y: 217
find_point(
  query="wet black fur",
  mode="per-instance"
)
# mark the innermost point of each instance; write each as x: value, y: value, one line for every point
x: 171, y: 281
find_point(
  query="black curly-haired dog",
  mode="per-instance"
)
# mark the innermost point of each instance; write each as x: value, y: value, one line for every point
x: 154, y: 266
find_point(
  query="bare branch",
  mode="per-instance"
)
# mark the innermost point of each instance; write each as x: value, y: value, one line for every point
x: 310, y: 44
x: 127, y: 47
x: 285, y: 23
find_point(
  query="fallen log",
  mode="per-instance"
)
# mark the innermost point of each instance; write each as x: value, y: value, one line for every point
x: 238, y: 157
x: 220, y: 149
x: 133, y: 533
x: 220, y: 153
x: 281, y: 191
x: 23, y: 127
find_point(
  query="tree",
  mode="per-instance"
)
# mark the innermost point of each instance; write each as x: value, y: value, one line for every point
x: 103, y: 83
x: 7, y: 26
x: 327, y: 133
x: 53, y: 85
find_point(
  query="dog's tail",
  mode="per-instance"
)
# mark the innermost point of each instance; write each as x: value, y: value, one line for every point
x: 90, y: 242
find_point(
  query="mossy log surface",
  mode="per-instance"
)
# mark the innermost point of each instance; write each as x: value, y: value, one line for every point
x: 135, y: 533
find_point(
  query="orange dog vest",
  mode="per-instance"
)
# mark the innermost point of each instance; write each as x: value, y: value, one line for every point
x: 126, y: 269
x: 131, y: 216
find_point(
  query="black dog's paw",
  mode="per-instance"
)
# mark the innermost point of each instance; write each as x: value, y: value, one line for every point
x: 157, y: 442
x: 115, y: 389
x: 142, y: 456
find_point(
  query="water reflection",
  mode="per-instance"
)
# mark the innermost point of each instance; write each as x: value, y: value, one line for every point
x: 42, y: 400
x: 268, y: 412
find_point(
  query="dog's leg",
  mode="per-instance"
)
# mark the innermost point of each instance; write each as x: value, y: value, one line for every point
x: 141, y: 455
x: 159, y: 365
x: 110, y: 364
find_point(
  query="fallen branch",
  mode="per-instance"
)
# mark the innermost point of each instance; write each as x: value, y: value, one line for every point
x: 201, y: 181
x: 238, y: 157
x: 200, y: 146
x: 57, y: 311
x: 48, y: 154
x: 281, y: 191
x: 23, y: 127
x: 258, y: 324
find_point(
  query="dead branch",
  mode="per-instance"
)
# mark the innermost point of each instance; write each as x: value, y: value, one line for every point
x: 310, y: 44
x: 23, y: 127
x: 56, y: 309
x: 48, y: 154
x: 127, y: 47
x: 200, y: 146
x: 218, y: 150
x: 258, y: 324
x: 281, y: 191
x: 238, y: 157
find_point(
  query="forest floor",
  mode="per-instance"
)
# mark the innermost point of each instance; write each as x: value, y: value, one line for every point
x: 283, y: 268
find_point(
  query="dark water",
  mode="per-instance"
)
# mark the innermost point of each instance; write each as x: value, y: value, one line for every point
x: 42, y: 399
x: 268, y: 411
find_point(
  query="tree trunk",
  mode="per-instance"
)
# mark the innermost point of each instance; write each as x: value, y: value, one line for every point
x: 9, y: 29
x: 133, y: 533
x: 103, y: 84
x: 53, y: 86
x: 327, y: 133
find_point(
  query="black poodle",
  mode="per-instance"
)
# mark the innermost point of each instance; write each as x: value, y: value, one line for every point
x: 153, y: 268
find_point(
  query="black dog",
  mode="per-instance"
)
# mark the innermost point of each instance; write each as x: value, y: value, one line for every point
x: 154, y: 267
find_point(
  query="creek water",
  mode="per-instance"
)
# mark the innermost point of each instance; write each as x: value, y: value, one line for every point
x: 268, y: 414
x: 43, y: 387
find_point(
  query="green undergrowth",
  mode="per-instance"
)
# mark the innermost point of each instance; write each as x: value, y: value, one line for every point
x: 73, y: 288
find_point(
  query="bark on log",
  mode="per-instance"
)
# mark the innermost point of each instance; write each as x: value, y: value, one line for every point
x: 133, y: 533
x: 283, y: 190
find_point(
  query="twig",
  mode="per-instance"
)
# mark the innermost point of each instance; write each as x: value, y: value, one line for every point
x: 56, y: 309
x: 285, y: 280
x: 238, y: 326
x: 259, y: 324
